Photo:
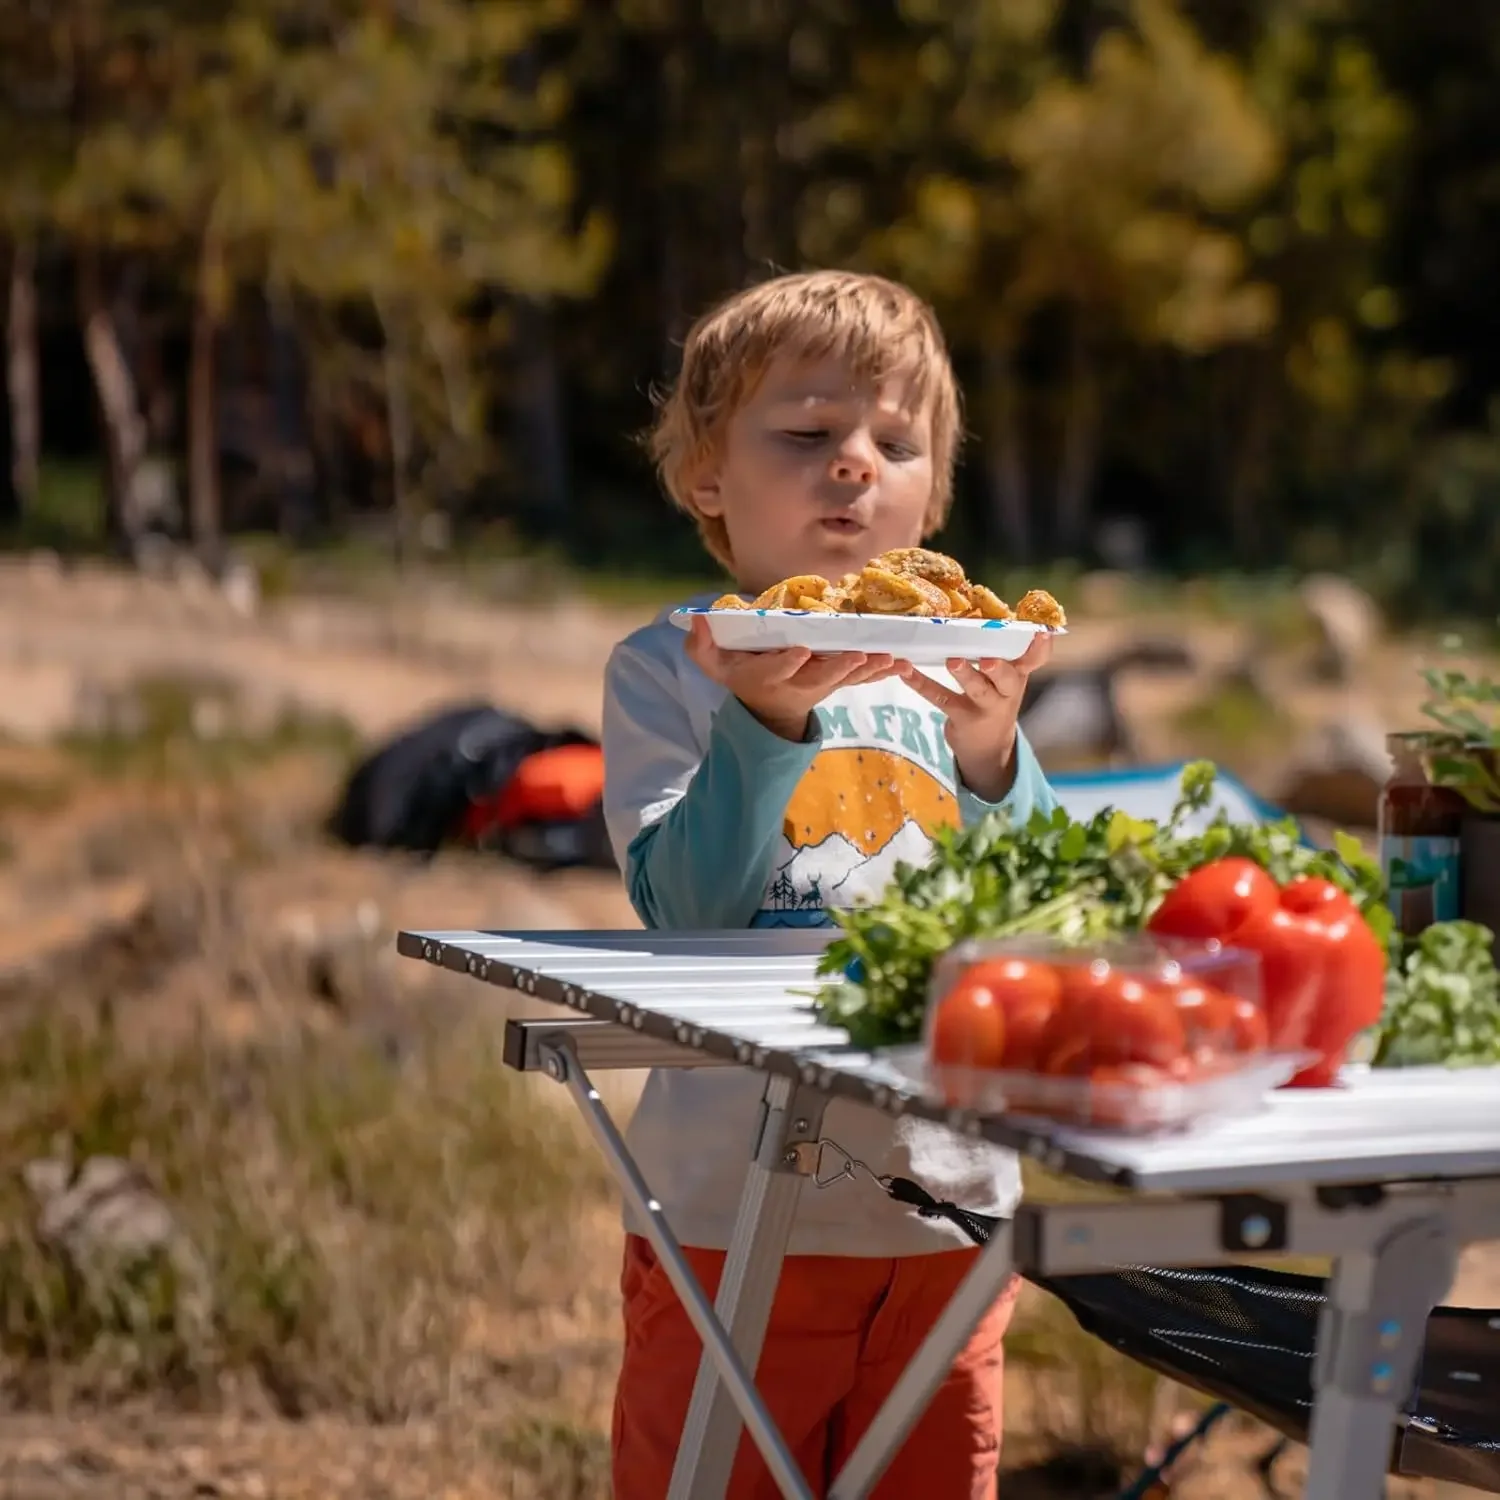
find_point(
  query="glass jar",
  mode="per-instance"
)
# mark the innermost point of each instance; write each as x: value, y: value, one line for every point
x: 1420, y: 828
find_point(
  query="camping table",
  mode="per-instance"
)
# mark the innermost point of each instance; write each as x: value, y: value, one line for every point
x: 1389, y: 1177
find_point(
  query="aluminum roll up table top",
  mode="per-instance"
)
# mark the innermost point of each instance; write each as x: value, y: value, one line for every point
x: 1389, y: 1176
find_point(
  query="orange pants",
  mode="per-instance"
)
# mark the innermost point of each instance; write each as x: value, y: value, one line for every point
x: 842, y: 1330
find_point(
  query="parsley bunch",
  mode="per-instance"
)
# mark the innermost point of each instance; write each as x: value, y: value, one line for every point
x: 1442, y: 1001
x: 1077, y: 882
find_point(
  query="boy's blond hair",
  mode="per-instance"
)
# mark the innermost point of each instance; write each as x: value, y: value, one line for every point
x: 878, y: 327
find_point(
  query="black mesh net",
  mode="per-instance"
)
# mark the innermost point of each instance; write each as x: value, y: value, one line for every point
x: 1248, y: 1337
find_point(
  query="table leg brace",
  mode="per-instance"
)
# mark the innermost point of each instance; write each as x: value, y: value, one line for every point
x: 976, y: 1294
x: 1369, y: 1344
x: 562, y: 1065
x: 752, y: 1269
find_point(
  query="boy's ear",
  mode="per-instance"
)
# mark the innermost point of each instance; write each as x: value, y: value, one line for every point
x: 705, y: 490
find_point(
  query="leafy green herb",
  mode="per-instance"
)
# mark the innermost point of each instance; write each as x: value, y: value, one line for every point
x: 1079, y: 882
x: 1465, y: 756
x: 1442, y: 1001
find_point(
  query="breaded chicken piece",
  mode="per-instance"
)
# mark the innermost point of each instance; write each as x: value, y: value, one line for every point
x: 1038, y: 607
x: 882, y: 592
x: 922, y: 562
x: 988, y: 605
x: 731, y: 601
x: 787, y: 593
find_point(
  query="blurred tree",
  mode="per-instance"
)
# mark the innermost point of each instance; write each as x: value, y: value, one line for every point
x: 1084, y: 213
x: 34, y: 96
x: 375, y: 166
x: 1323, y: 397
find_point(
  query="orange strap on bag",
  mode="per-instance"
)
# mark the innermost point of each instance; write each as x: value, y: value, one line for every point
x: 552, y: 786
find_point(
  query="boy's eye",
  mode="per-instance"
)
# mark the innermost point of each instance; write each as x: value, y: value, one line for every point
x: 899, y: 450
x: 806, y: 434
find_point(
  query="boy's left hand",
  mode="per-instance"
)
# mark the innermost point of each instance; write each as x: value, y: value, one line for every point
x: 982, y: 713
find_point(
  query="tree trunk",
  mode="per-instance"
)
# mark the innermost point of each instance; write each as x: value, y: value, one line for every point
x: 124, y: 427
x: 539, y: 413
x: 1247, y: 473
x: 1078, y: 464
x: 22, y: 378
x: 298, y: 512
x: 205, y: 505
x: 1005, y: 459
x: 399, y: 435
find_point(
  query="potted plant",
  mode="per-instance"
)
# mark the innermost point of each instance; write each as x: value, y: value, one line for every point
x: 1465, y: 757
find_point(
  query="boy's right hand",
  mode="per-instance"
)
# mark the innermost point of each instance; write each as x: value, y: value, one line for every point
x: 781, y: 688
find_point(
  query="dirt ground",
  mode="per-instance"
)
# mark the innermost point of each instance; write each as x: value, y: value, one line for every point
x: 126, y: 880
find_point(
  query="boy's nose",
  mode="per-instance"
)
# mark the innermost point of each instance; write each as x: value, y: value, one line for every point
x: 854, y: 464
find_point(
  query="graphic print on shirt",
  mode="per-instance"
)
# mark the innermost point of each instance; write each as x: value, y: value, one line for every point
x: 875, y: 795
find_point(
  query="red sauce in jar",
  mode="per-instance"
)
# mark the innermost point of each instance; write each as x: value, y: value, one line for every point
x: 1419, y: 828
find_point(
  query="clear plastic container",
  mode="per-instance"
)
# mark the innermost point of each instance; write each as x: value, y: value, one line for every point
x: 1137, y: 1035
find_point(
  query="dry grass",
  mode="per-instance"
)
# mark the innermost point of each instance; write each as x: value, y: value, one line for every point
x: 398, y: 1247
x: 352, y: 1213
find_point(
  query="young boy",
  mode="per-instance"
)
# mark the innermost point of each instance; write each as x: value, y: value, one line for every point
x: 814, y: 425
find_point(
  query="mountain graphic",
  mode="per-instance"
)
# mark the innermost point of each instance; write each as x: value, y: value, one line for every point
x: 836, y: 872
x: 867, y: 881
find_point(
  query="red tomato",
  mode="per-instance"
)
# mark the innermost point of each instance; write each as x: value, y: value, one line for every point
x: 1128, y: 1075
x: 1184, y: 1069
x: 1108, y: 1018
x: 968, y: 1030
x: 1028, y: 992
x: 1352, y: 997
x: 1214, y: 900
x: 1312, y: 896
x: 1292, y: 951
x: 1112, y: 1086
x: 1215, y: 1020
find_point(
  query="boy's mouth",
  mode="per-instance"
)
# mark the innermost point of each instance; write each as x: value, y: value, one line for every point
x: 841, y: 525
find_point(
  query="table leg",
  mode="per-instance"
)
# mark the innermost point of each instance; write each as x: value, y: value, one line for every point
x: 560, y: 1064
x: 1369, y: 1344
x: 976, y: 1294
x: 752, y: 1269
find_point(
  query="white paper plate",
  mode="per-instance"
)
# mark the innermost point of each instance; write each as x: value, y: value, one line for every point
x: 919, y: 639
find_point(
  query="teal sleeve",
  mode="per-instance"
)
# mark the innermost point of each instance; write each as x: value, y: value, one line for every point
x: 1030, y: 792
x: 706, y: 861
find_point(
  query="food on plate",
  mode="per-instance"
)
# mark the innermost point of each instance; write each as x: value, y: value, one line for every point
x: 882, y: 592
x: 903, y: 581
x: 923, y: 562
x: 989, y: 604
x: 1040, y: 608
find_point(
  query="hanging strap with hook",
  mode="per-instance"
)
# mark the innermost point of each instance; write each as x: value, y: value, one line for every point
x: 978, y: 1227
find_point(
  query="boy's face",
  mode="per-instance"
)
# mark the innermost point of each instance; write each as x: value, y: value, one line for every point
x: 818, y: 472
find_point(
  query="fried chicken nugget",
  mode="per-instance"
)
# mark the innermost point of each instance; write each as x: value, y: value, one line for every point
x: 1038, y: 607
x: 922, y: 562
x: 882, y: 592
x: 844, y: 595
x: 988, y: 605
x: 961, y: 600
x: 731, y: 601
x: 789, y: 593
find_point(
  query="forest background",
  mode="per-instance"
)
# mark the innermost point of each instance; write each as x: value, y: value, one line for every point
x: 1219, y: 276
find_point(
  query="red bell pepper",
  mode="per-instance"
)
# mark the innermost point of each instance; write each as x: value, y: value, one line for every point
x: 1322, y: 967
